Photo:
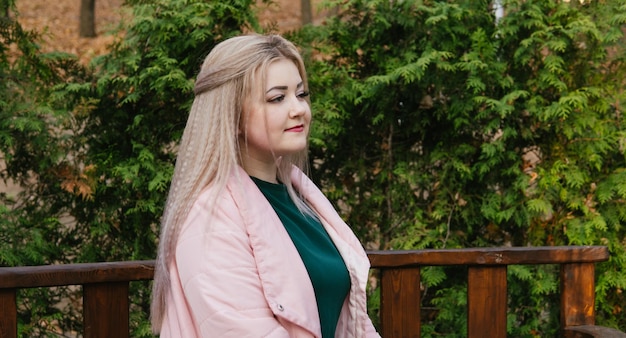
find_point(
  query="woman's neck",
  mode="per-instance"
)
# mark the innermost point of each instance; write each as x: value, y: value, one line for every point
x: 262, y: 170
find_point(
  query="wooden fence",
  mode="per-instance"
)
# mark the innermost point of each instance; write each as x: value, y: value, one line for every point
x: 106, y: 286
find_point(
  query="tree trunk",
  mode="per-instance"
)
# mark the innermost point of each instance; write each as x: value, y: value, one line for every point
x: 306, y: 14
x: 87, y: 18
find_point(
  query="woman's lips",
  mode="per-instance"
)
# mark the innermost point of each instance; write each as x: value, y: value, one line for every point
x: 299, y: 128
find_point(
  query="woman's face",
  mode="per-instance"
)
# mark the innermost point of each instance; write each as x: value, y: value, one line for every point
x: 279, y: 124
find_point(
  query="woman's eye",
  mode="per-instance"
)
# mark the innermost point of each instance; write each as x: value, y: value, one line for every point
x: 281, y: 98
x: 275, y: 99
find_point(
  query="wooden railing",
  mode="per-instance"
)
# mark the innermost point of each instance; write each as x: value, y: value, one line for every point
x: 487, y: 287
x: 106, y: 285
x: 105, y: 293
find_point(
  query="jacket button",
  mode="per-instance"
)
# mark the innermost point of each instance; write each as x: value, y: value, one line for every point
x: 280, y: 308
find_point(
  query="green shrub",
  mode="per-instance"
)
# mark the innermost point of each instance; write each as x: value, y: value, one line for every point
x: 439, y: 126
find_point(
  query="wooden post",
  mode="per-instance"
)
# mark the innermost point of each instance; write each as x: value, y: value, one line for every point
x: 8, y: 313
x: 486, y: 301
x: 400, y: 303
x: 106, y: 310
x: 577, y: 294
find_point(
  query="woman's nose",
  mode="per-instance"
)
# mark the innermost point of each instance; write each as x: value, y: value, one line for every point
x: 298, y: 107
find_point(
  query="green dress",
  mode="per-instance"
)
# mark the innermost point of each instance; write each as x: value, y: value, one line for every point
x: 326, y: 268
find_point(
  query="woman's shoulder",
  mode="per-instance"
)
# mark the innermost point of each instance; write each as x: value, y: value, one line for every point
x: 229, y: 200
x: 226, y: 192
x: 307, y: 188
x: 213, y: 207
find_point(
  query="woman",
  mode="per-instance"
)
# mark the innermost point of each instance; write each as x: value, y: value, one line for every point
x: 249, y: 246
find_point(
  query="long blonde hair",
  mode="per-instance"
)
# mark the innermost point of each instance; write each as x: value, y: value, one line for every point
x: 209, y: 149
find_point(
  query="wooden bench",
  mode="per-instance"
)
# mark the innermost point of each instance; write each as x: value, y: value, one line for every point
x: 106, y: 285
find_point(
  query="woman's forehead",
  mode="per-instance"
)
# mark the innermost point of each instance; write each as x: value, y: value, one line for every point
x: 282, y: 72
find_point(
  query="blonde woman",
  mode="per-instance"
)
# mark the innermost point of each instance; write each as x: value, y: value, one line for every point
x: 249, y: 246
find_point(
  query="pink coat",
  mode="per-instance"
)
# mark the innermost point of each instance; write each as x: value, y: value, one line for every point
x: 241, y: 276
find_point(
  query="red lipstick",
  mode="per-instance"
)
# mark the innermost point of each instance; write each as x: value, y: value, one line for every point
x: 298, y: 128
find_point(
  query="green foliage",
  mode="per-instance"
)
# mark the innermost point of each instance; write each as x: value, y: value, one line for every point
x: 32, y: 153
x: 534, y: 301
x: 450, y: 321
x: 438, y: 126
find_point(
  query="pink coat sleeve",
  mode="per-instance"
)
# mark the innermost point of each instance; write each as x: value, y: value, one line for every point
x: 219, y: 281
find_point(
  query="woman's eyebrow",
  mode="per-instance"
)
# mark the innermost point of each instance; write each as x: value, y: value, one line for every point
x: 300, y: 85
